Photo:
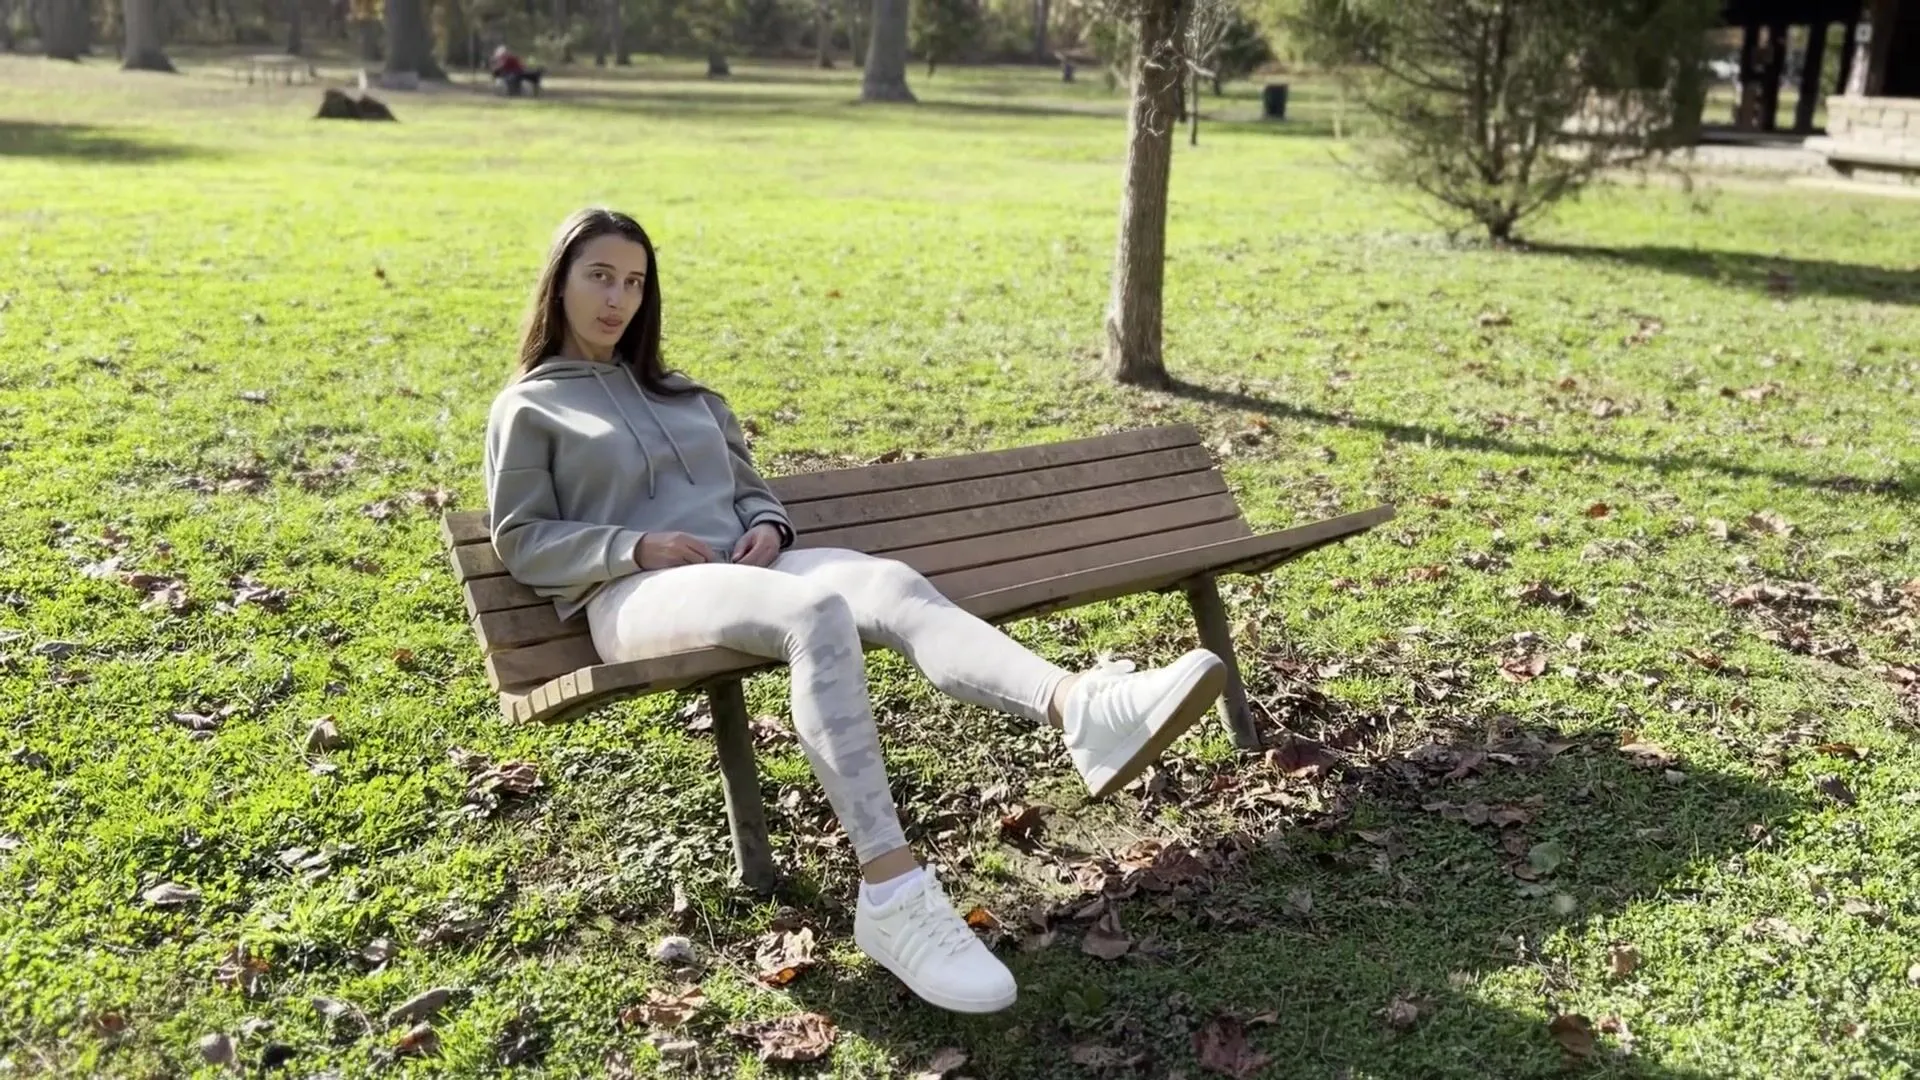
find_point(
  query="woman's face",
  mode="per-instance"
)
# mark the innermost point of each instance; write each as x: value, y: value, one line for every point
x: 603, y: 288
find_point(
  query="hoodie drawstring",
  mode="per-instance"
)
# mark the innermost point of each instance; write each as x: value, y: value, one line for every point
x: 627, y: 419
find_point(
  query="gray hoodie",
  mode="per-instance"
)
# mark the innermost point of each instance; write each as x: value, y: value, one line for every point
x: 581, y: 462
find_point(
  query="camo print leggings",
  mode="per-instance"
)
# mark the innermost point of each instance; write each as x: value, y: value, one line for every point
x: 812, y: 609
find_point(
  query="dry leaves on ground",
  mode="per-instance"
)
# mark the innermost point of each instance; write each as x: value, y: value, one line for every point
x: 1221, y: 1046
x: 664, y: 1008
x: 783, y: 955
x: 789, y: 1039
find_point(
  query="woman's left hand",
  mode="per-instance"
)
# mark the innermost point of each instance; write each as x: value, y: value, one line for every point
x: 759, y: 547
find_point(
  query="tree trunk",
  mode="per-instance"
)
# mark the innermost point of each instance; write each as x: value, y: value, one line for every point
x: 409, y: 45
x: 1139, y: 264
x: 1042, y: 15
x: 296, y: 37
x: 456, y: 46
x: 143, y: 38
x: 717, y: 65
x: 885, y: 78
x: 854, y: 37
x: 370, y: 42
x: 617, y: 33
x: 1193, y: 112
x: 823, y: 34
x: 63, y: 28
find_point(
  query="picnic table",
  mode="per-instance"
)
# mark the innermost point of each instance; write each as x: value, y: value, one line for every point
x: 271, y: 67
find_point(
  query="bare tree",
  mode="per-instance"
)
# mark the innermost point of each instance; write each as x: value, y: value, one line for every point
x: 296, y: 32
x: 1207, y: 27
x: 143, y: 38
x: 823, y: 34
x: 1042, y: 15
x: 1139, y: 264
x: 885, y: 77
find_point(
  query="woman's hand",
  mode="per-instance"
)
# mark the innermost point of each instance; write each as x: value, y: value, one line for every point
x: 759, y: 547
x: 659, y: 550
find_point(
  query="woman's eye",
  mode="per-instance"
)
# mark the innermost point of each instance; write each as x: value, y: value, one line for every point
x: 599, y: 275
x: 635, y: 283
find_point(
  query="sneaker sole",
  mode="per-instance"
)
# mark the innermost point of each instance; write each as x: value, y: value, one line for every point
x: 936, y: 998
x: 1184, y: 707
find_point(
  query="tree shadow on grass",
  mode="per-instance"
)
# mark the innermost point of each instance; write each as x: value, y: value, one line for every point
x: 1759, y: 273
x: 1903, y: 488
x: 87, y: 143
x: 1320, y: 927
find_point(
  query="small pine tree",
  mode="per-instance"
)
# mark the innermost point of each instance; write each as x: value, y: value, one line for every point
x: 1497, y: 109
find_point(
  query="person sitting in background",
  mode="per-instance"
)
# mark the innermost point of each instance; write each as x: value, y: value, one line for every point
x: 511, y: 73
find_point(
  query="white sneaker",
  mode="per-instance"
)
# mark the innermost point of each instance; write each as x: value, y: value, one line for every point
x: 917, y: 935
x: 1118, y: 721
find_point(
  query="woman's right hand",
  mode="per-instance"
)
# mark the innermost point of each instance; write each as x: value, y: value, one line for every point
x: 659, y: 550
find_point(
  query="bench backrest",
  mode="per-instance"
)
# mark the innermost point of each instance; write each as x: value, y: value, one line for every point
x: 974, y: 524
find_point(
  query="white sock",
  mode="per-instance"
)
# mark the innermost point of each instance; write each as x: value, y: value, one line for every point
x: 882, y: 894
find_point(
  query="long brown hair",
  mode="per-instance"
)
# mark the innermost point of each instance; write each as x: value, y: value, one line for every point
x: 544, y: 331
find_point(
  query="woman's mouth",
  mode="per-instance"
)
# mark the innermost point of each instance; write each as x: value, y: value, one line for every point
x: 611, y: 325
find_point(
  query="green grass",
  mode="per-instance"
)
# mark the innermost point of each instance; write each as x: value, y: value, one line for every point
x: 860, y: 280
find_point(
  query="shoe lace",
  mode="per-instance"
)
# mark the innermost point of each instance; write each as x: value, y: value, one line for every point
x: 935, y: 917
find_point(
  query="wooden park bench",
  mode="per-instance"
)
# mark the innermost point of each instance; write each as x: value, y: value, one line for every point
x: 1005, y: 534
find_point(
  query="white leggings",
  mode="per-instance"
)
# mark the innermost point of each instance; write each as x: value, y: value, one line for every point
x: 812, y: 609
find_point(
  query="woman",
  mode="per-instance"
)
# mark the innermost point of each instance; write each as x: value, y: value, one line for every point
x: 627, y: 494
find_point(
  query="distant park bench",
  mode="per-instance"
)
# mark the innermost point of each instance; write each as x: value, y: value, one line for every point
x: 273, y: 67
x: 1005, y: 534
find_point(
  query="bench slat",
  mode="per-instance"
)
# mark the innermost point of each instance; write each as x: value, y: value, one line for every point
x: 472, y: 561
x: 875, y: 479
x: 1016, y: 543
x: 890, y: 536
x: 1007, y: 575
x: 865, y: 509
x: 512, y: 669
x: 499, y: 594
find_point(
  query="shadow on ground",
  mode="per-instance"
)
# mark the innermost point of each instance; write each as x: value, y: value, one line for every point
x: 1760, y: 273
x: 1904, y: 488
x: 87, y: 143
x: 1321, y: 925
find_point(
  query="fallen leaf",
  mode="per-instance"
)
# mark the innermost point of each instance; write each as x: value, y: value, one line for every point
x: 323, y: 736
x: 981, y: 919
x: 1024, y: 822
x: 1645, y: 332
x: 1301, y: 758
x: 1622, y: 961
x: 945, y: 1060
x: 1427, y: 573
x: 663, y: 1009
x: 1546, y: 857
x: 1774, y: 926
x: 784, y: 955
x: 1402, y: 1013
x: 1493, y: 318
x: 1574, y: 1033
x: 254, y: 397
x: 1863, y: 909
x: 1840, y: 749
x: 1913, y: 974
x: 419, y: 1041
x: 1520, y: 669
x: 378, y: 951
x: 216, y: 1048
x: 110, y: 1024
x: 1300, y: 900
x: 1599, y: 510
x: 1105, y: 939
x: 1854, y: 1029
x: 1221, y: 1046
x: 1095, y: 1056
x: 674, y: 949
x: 1606, y: 409
x: 1836, y: 789
x: 171, y: 894
x: 1545, y: 595
x: 421, y: 1006
x: 242, y: 971
x: 1648, y: 755
x: 790, y: 1039
x: 1770, y: 522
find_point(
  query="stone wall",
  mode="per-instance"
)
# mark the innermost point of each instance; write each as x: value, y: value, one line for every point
x: 1872, y: 138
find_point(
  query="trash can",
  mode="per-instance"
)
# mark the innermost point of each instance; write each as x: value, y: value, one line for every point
x: 1273, y: 102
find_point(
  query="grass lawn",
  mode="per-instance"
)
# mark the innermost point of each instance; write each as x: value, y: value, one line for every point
x: 1613, y: 730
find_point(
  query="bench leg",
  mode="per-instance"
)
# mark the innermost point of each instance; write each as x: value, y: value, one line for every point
x: 1203, y: 595
x: 740, y: 779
